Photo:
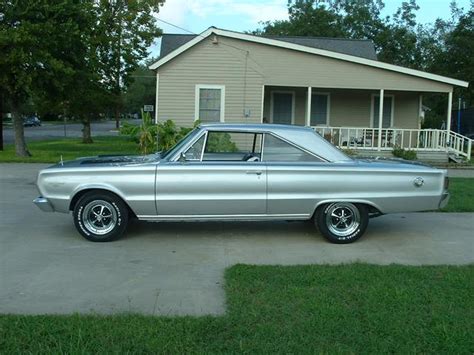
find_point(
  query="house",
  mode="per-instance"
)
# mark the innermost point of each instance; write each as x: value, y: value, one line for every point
x: 337, y: 86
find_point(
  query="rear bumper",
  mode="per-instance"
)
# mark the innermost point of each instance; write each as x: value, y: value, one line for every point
x: 43, y: 204
x: 444, y: 200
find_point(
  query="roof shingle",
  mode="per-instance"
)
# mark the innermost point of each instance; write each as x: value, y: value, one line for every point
x: 358, y: 48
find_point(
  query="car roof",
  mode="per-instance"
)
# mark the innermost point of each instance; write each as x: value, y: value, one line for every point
x: 304, y: 137
x: 263, y: 127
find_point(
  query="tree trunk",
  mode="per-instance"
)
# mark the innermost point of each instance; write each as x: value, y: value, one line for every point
x: 117, y: 115
x: 86, y: 131
x: 20, y: 143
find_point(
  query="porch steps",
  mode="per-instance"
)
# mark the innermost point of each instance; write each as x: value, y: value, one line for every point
x: 426, y: 156
x: 455, y: 158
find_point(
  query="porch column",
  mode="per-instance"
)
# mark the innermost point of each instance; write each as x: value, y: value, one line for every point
x: 308, y: 107
x: 420, y: 110
x: 156, y: 98
x: 448, y: 117
x: 379, y: 142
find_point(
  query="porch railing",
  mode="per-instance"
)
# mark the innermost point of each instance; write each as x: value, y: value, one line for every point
x: 414, y: 139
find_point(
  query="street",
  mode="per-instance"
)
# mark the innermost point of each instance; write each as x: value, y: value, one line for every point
x: 54, y: 131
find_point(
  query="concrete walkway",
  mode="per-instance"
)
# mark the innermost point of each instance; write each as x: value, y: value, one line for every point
x: 462, y: 172
x: 177, y: 268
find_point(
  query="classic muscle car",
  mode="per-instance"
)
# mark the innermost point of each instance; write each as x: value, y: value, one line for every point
x: 239, y: 172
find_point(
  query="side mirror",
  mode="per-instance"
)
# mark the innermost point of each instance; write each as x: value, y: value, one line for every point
x: 182, y: 158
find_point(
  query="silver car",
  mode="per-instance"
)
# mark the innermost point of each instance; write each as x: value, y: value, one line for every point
x: 239, y: 172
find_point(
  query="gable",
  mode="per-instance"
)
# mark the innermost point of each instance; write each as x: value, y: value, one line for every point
x: 213, y: 33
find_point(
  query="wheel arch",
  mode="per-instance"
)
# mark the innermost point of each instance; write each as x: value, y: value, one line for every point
x: 81, y: 192
x: 374, y: 210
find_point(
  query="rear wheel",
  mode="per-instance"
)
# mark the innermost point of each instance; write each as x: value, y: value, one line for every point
x: 342, y: 222
x: 100, y: 216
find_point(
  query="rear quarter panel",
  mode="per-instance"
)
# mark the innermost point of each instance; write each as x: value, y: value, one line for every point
x: 301, y: 188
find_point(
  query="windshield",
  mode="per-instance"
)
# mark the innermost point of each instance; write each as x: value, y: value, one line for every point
x: 177, y: 146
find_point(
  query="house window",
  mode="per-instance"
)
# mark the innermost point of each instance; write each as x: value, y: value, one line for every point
x: 282, y: 109
x: 209, y: 103
x: 387, y: 115
x: 319, y: 109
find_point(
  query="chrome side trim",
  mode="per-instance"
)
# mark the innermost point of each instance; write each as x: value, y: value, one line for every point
x: 238, y: 217
x: 43, y: 204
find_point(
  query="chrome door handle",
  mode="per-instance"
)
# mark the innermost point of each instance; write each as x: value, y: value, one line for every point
x: 257, y: 172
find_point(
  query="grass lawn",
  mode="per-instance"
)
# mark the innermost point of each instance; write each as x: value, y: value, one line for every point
x: 50, y: 151
x: 353, y: 308
x: 462, y: 195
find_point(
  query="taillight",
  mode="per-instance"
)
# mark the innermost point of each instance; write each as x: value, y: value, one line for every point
x: 446, y: 182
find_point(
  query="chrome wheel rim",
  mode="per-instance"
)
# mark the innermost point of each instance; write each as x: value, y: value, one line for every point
x: 99, y: 217
x: 342, y: 219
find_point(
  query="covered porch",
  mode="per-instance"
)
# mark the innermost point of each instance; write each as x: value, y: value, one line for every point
x: 363, y: 120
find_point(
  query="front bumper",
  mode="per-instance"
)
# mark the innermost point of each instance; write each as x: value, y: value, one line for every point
x: 444, y: 200
x: 43, y: 204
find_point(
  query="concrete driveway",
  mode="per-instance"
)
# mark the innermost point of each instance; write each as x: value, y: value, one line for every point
x: 177, y: 268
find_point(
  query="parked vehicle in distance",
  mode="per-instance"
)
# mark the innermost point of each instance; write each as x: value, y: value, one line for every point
x: 31, y: 121
x: 239, y: 172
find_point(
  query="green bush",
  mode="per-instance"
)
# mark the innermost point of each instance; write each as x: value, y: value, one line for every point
x: 220, y: 142
x: 152, y: 137
x: 404, y: 154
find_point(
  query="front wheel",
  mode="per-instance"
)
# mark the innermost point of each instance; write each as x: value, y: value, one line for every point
x: 100, y: 216
x: 342, y: 222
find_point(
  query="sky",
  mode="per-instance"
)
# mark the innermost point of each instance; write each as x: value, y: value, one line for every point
x: 245, y: 15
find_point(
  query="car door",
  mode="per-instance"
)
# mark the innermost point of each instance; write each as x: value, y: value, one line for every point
x: 220, y: 175
x: 292, y: 178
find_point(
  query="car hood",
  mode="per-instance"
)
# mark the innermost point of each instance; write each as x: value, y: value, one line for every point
x: 109, y: 160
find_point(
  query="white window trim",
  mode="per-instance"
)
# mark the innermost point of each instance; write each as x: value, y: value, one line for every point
x: 196, y: 99
x: 392, y: 113
x: 293, y: 101
x: 328, y: 115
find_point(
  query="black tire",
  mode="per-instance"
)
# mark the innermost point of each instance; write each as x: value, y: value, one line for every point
x: 342, y: 222
x: 100, y: 216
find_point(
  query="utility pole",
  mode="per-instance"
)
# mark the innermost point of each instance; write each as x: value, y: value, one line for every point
x: 459, y: 115
x: 1, y: 121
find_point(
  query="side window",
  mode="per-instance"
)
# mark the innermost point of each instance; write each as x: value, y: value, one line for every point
x: 194, y: 152
x: 233, y: 146
x: 275, y: 149
x: 209, y: 103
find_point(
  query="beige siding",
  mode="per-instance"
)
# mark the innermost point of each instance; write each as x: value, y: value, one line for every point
x: 349, y: 108
x: 244, y: 67
x: 207, y: 63
x: 354, y: 109
x: 406, y: 112
x: 287, y: 67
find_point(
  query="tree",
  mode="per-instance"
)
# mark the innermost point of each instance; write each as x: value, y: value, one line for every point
x: 38, y: 42
x: 458, y: 57
x: 142, y: 89
x: 394, y: 37
x: 126, y: 30
x: 307, y: 18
